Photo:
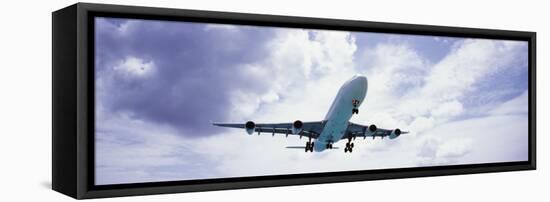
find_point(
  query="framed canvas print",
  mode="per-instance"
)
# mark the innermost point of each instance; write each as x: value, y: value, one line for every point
x: 156, y: 100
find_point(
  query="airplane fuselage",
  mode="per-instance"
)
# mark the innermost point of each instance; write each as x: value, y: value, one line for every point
x: 349, y: 97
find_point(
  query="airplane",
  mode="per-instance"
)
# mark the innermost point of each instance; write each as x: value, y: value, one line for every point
x: 336, y: 125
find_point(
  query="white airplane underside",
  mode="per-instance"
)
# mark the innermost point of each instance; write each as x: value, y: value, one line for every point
x: 333, y: 128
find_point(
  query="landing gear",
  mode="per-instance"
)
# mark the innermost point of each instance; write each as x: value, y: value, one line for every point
x: 348, y: 149
x: 309, y: 145
x: 355, y: 103
x: 349, y: 146
x: 329, y: 145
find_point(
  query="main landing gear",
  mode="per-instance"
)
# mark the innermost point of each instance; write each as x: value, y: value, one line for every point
x: 349, y: 146
x: 309, y: 145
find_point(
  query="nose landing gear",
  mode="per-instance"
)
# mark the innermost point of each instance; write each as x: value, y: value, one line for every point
x: 355, y: 103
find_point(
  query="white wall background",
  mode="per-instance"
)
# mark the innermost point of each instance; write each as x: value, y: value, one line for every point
x: 25, y: 100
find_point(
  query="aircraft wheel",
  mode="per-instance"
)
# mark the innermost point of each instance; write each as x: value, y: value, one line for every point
x: 347, y: 144
x: 351, y: 145
x: 350, y: 150
x: 346, y: 150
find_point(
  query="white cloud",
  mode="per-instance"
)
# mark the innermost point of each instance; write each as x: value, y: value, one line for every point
x: 392, y: 70
x: 447, y: 109
x: 133, y: 67
x: 129, y: 150
x: 121, y: 28
x: 221, y: 27
x: 453, y: 148
x: 467, y: 63
x: 300, y: 62
x: 421, y: 123
x: 477, y: 140
x: 517, y: 105
x: 406, y: 90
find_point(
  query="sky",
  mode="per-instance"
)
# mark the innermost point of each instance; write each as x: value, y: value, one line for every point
x: 160, y: 85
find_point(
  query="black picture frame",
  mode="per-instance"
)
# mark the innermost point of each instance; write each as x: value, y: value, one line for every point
x: 73, y: 100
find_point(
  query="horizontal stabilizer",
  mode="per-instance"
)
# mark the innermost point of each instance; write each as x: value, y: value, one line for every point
x: 295, y: 147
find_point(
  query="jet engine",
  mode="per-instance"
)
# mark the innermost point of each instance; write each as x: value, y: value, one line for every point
x: 250, y: 127
x: 395, y: 133
x: 297, y: 127
x: 372, y: 128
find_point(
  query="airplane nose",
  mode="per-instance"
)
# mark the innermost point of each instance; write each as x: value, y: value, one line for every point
x: 360, y: 80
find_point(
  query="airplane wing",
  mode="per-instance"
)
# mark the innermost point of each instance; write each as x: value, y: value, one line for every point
x: 309, y: 129
x: 358, y: 130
